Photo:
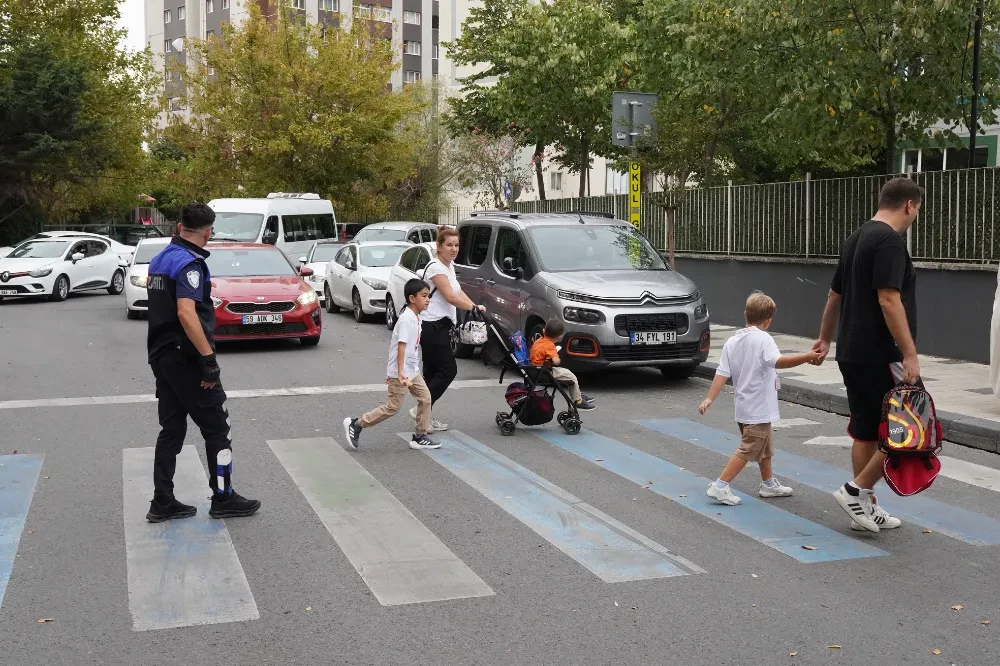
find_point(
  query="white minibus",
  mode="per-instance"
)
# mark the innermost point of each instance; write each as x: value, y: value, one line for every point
x: 291, y: 221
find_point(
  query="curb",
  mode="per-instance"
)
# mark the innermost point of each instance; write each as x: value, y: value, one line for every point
x: 968, y: 431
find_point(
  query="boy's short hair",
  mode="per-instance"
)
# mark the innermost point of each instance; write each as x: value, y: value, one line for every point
x: 413, y: 287
x: 554, y: 328
x: 760, y: 307
x: 197, y: 216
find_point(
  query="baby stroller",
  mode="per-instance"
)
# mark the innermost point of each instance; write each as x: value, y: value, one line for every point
x: 532, y: 400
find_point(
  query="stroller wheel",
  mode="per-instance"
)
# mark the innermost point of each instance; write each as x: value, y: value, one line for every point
x: 563, y: 417
x: 501, y: 417
x: 507, y: 428
x: 572, y: 426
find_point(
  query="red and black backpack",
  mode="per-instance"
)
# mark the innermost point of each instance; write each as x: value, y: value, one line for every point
x: 910, y: 435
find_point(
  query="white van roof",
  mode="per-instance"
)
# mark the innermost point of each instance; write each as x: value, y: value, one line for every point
x: 276, y: 202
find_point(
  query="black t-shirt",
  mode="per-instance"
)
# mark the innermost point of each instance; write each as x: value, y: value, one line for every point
x: 873, y: 258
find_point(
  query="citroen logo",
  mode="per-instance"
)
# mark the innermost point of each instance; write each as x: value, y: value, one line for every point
x: 647, y: 298
x: 5, y: 276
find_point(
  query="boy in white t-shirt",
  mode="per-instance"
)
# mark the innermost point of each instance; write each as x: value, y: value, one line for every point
x: 752, y: 359
x: 402, y: 373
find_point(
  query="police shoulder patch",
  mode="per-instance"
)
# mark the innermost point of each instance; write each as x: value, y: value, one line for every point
x: 194, y: 278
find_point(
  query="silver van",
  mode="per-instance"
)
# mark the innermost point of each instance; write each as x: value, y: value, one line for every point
x: 620, y: 303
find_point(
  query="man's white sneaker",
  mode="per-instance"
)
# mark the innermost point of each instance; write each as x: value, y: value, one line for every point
x: 858, y: 508
x: 722, y: 495
x: 775, y: 491
x: 881, y: 518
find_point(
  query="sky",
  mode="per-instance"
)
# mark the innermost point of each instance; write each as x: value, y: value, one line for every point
x: 133, y: 20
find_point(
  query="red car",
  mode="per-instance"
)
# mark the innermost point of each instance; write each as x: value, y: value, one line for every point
x: 258, y: 294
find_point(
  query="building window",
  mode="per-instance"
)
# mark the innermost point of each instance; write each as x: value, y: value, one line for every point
x: 299, y: 4
x: 225, y: 4
x: 383, y: 14
x: 209, y: 6
x: 413, y: 18
x: 555, y: 181
x: 329, y: 5
x: 209, y: 33
x: 411, y: 48
x: 435, y: 22
x: 411, y: 76
x: 364, y: 11
x: 211, y: 71
x: 169, y: 75
x: 434, y: 51
x: 180, y: 14
x: 166, y: 46
x: 166, y: 16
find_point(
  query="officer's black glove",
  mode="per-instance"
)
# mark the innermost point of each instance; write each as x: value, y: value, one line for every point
x: 210, y: 369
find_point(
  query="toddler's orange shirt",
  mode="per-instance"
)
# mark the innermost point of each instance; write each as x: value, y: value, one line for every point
x: 543, y: 350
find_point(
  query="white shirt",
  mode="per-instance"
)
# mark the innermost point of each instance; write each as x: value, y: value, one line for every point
x: 439, y: 308
x: 407, y: 330
x: 749, y: 358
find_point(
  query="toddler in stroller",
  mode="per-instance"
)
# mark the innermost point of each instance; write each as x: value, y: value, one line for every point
x: 532, y: 400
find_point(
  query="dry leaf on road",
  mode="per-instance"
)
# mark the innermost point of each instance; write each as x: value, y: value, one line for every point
x: 927, y: 532
x: 598, y: 459
x: 309, y: 608
x: 792, y: 654
x: 957, y: 607
x: 985, y: 622
x: 833, y: 647
x: 810, y: 548
x: 43, y: 620
x: 935, y: 651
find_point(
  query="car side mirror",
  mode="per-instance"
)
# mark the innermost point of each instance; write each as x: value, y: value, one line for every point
x: 123, y: 263
x: 270, y: 238
x: 511, y: 268
x: 77, y: 256
x: 305, y: 271
x: 303, y: 260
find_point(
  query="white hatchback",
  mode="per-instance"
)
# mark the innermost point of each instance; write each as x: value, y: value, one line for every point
x: 321, y: 254
x: 358, y: 275
x: 56, y: 267
x: 136, y: 296
x: 411, y: 265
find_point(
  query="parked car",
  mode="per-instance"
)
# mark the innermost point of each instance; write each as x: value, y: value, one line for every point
x: 258, y: 294
x: 621, y: 304
x: 57, y: 267
x: 357, y: 277
x: 316, y: 260
x: 411, y: 232
x: 410, y: 265
x: 123, y: 251
x: 136, y: 297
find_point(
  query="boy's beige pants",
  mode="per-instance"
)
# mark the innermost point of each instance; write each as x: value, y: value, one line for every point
x: 418, y: 389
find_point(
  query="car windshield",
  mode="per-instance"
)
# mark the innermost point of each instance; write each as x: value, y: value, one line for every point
x: 237, y: 226
x: 385, y: 255
x: 39, y: 250
x: 382, y: 234
x: 146, y: 251
x: 594, y: 248
x: 326, y: 252
x: 245, y: 263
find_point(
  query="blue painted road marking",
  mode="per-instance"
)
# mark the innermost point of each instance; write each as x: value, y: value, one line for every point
x: 610, y: 550
x: 967, y: 526
x: 761, y: 521
x: 18, y: 476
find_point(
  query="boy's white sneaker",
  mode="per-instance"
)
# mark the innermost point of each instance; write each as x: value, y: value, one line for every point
x: 722, y: 495
x: 776, y: 490
x: 859, y: 507
x: 436, y: 426
x: 882, y: 519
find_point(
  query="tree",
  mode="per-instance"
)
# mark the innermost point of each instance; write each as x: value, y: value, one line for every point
x: 290, y: 106
x: 491, y: 164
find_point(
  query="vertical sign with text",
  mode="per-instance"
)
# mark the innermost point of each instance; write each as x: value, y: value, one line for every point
x: 634, y: 193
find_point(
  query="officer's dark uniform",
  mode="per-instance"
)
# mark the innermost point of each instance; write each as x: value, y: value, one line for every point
x: 180, y: 271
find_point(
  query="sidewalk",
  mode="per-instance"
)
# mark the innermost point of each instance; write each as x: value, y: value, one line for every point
x: 965, y: 403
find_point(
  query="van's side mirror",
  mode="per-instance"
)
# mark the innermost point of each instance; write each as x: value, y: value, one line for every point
x: 270, y: 238
x: 511, y: 268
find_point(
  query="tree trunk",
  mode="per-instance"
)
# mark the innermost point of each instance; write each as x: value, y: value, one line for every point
x: 671, y: 214
x: 584, y: 162
x: 539, y: 174
x: 890, y: 147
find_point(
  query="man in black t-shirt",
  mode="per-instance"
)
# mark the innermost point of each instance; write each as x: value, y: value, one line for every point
x: 873, y: 294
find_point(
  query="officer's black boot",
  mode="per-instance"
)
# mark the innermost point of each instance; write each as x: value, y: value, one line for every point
x: 232, y: 505
x: 170, y: 510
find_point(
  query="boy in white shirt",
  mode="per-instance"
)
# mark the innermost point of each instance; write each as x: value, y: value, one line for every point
x: 403, y: 373
x: 752, y: 359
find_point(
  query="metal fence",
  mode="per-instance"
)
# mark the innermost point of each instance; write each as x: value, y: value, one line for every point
x: 811, y: 218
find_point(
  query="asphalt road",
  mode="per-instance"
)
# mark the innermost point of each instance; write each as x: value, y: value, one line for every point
x: 883, y: 599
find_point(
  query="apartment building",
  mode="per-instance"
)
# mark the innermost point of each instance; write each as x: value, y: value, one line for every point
x: 412, y: 25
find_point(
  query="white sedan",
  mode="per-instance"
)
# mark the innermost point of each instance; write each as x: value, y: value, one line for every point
x: 411, y: 265
x: 319, y: 256
x: 56, y: 267
x: 124, y: 252
x: 358, y: 275
x: 136, y: 296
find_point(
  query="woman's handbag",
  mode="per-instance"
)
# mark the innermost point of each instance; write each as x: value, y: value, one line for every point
x: 473, y: 331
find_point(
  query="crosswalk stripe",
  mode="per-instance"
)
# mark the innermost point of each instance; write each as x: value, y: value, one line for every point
x: 180, y: 572
x: 607, y: 548
x: 792, y: 423
x: 761, y: 521
x: 400, y: 560
x: 951, y: 468
x: 968, y: 526
x: 18, y: 476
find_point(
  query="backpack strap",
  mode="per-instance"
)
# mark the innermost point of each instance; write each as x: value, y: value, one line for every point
x: 424, y: 277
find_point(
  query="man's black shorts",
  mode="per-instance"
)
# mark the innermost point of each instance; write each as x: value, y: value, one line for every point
x: 867, y: 384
